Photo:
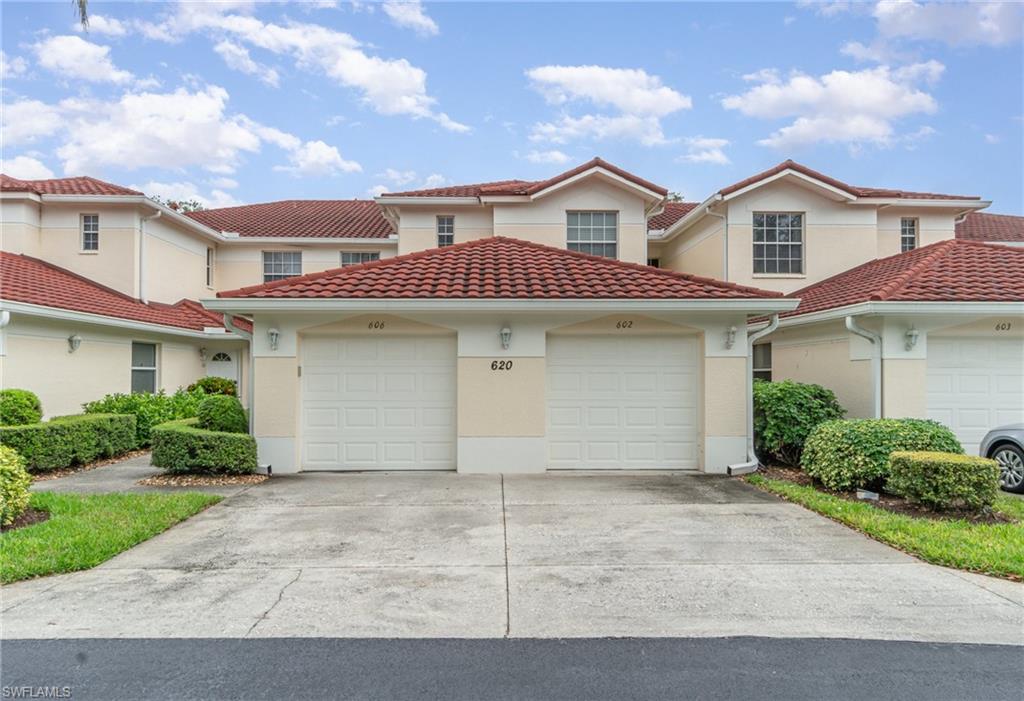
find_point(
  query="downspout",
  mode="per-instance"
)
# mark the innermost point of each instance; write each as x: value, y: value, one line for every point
x: 142, y: 254
x: 876, y: 361
x: 725, y: 240
x: 752, y: 463
x: 229, y: 323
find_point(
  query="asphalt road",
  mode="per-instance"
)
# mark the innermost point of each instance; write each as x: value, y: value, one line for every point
x: 659, y: 668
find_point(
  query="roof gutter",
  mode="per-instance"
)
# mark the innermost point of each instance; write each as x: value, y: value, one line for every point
x: 752, y: 462
x: 876, y: 361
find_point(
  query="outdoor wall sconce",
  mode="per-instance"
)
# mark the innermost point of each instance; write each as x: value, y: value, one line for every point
x: 202, y: 356
x: 730, y: 337
x: 912, y: 335
x: 74, y: 341
x: 506, y: 336
x: 273, y: 335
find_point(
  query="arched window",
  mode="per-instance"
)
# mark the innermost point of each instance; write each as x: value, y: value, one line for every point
x: 221, y: 358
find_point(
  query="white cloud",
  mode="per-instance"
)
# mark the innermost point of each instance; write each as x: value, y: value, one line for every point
x: 646, y: 130
x: 410, y: 15
x: 398, y: 178
x: 237, y: 58
x: 315, y: 158
x: 12, y: 67
x: 224, y: 183
x: 99, y: 24
x: 434, y: 180
x: 25, y: 168
x: 826, y: 8
x: 876, y: 52
x: 553, y: 156
x: 701, y: 149
x: 841, y: 106
x: 28, y: 120
x: 956, y: 24
x: 992, y: 139
x: 73, y: 57
x: 378, y: 190
x: 185, y: 190
x: 763, y: 75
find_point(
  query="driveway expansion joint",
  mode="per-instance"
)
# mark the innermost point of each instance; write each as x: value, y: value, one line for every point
x: 504, y: 534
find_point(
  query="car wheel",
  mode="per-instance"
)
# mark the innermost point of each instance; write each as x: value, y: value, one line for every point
x: 1011, y: 468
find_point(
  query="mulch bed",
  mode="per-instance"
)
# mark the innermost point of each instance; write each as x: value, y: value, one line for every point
x: 27, y: 517
x: 65, y: 471
x: 201, y: 480
x: 888, y: 502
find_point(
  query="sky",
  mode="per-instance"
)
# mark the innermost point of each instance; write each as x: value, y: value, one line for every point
x: 241, y: 102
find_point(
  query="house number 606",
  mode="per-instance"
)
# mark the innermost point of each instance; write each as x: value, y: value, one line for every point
x: 375, y: 325
x: 501, y: 365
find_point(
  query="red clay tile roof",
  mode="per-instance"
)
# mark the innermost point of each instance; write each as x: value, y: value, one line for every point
x: 305, y: 218
x: 674, y: 211
x: 499, y: 268
x: 32, y: 281
x: 981, y: 226
x: 526, y: 187
x: 852, y: 189
x: 81, y: 185
x: 948, y: 271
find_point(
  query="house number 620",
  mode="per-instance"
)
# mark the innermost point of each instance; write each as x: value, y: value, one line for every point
x: 501, y: 365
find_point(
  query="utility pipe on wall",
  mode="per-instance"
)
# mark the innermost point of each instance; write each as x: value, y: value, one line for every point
x: 752, y: 463
x: 142, y: 253
x: 876, y: 361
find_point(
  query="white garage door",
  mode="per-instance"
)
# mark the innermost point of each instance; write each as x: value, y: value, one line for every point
x: 622, y: 403
x: 378, y: 403
x: 975, y: 384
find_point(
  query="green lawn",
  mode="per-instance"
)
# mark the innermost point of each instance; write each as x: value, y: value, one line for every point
x: 86, y: 529
x: 994, y: 549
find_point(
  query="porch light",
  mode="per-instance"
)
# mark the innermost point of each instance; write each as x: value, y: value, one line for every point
x: 506, y: 336
x: 730, y: 337
x: 273, y: 335
x: 202, y: 356
x: 74, y: 341
x: 911, y: 337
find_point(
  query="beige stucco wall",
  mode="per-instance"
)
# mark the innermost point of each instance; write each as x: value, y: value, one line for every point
x: 277, y: 396
x: 417, y: 229
x: 241, y: 264
x: 698, y: 250
x: 826, y: 362
x: 496, y: 403
x: 724, y: 391
x: 19, y: 226
x: 175, y: 263
x: 904, y: 388
x: 932, y: 227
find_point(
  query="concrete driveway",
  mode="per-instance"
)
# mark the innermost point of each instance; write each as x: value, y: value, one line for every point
x: 560, y: 555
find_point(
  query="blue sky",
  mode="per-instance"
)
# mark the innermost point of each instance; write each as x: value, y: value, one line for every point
x: 243, y: 102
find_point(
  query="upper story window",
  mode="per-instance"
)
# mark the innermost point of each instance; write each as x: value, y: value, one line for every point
x: 654, y: 262
x: 596, y: 233
x: 90, y: 232
x: 908, y: 234
x: 779, y: 242
x: 445, y: 230
x: 277, y: 265
x: 209, y: 267
x: 763, y: 361
x: 143, y: 367
x: 357, y: 257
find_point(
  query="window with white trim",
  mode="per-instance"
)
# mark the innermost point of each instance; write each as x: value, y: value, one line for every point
x: 143, y: 367
x: 358, y: 257
x: 908, y: 234
x: 278, y: 265
x: 763, y: 361
x: 596, y: 233
x: 209, y: 267
x: 779, y: 243
x: 90, y: 232
x: 445, y: 230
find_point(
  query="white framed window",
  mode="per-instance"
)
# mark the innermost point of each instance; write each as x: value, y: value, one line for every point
x: 221, y: 357
x: 278, y: 265
x: 445, y: 230
x: 209, y: 267
x: 90, y: 232
x: 596, y: 233
x: 358, y: 257
x: 143, y: 367
x: 779, y: 243
x: 763, y: 361
x: 908, y: 234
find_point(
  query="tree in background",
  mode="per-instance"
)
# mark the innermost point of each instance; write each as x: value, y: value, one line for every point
x: 179, y: 205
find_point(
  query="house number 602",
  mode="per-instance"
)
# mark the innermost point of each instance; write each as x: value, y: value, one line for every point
x: 501, y: 365
x: 624, y: 324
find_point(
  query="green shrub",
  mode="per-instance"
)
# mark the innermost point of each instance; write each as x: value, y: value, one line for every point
x: 19, y: 407
x: 182, y: 447
x: 222, y: 413
x: 215, y: 385
x: 855, y: 453
x: 785, y: 413
x: 14, y: 484
x: 944, y: 480
x: 71, y: 440
x: 149, y: 409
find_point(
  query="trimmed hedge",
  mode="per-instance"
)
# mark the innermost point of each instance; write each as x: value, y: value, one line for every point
x: 14, y: 484
x: 215, y: 385
x: 786, y: 412
x: 64, y: 441
x: 182, y: 447
x: 944, y: 480
x: 854, y: 453
x: 19, y: 407
x: 222, y: 413
x: 149, y: 409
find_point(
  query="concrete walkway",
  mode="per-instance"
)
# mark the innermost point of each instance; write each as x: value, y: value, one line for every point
x: 560, y: 555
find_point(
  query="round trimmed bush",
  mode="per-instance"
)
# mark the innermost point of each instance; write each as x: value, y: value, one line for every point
x: 14, y: 484
x: 854, y: 453
x: 785, y: 413
x: 222, y: 413
x: 215, y: 385
x: 19, y: 407
x: 944, y: 480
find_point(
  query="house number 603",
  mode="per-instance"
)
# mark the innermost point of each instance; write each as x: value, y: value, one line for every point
x: 1003, y: 326
x: 501, y: 365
